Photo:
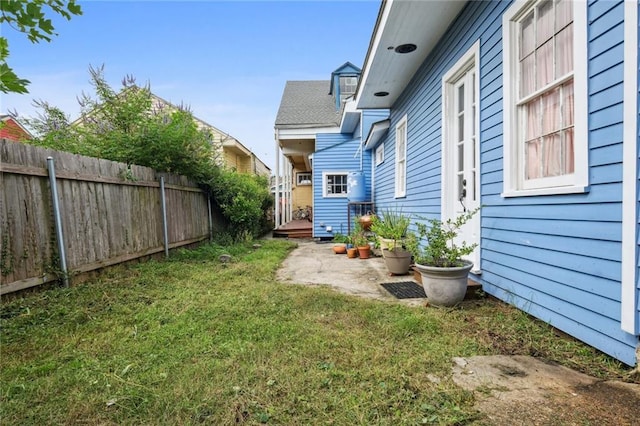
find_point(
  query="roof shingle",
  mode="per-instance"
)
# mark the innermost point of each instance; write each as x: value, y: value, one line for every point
x: 307, y: 104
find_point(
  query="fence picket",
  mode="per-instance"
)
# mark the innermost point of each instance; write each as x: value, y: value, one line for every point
x: 110, y: 213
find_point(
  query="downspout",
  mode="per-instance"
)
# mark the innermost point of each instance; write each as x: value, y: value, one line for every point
x: 165, y: 231
x: 210, y: 217
x: 361, y: 145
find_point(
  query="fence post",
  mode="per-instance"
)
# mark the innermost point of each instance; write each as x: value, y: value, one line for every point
x: 210, y: 218
x: 57, y: 220
x: 165, y: 232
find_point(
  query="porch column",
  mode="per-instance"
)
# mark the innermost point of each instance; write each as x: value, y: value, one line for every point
x: 277, y: 187
x: 287, y: 191
x: 290, y: 191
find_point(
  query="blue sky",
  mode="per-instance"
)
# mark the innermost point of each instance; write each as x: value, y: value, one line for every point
x: 228, y: 60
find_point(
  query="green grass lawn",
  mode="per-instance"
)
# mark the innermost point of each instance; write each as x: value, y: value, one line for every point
x: 192, y: 341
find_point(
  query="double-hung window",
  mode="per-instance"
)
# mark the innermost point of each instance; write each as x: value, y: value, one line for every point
x: 401, y: 158
x: 348, y: 86
x: 545, y: 139
x: 379, y: 154
x: 303, y: 178
x: 334, y: 184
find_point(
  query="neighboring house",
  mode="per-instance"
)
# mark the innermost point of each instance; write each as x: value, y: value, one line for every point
x: 529, y: 110
x: 228, y: 151
x: 310, y: 112
x: 232, y: 154
x: 12, y: 130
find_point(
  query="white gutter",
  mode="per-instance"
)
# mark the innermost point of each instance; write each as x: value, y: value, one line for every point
x: 375, y: 134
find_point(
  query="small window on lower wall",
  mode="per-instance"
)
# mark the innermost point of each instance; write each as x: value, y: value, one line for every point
x: 380, y: 154
x: 334, y: 184
x: 303, y: 178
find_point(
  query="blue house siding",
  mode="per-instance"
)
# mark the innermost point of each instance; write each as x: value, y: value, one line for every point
x: 422, y: 103
x: 341, y: 153
x: 334, y: 153
x: 556, y: 257
x: 369, y: 117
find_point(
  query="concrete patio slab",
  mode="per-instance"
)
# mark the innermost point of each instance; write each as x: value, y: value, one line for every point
x: 315, y: 263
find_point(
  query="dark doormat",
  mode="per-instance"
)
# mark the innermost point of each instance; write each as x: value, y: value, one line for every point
x: 405, y: 290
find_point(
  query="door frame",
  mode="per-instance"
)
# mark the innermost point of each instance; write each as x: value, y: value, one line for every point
x: 469, y: 61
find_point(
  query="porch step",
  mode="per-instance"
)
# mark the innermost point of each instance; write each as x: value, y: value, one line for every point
x: 294, y: 229
x: 292, y: 233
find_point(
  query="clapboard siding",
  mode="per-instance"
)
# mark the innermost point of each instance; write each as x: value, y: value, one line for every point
x: 600, y: 100
x: 557, y: 257
x: 368, y: 118
x: 580, y: 320
x: 606, y: 231
x: 563, y: 277
x: 572, y: 322
x: 557, y: 288
x: 337, y: 153
x: 594, y: 248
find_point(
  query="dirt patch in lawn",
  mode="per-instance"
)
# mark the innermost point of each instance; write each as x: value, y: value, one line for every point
x: 525, y: 390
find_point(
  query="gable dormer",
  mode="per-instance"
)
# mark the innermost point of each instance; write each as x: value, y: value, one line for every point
x: 344, y: 82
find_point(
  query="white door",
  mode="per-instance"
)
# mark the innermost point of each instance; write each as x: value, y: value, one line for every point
x: 460, y: 149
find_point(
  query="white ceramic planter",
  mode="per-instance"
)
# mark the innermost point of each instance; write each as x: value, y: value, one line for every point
x: 445, y: 286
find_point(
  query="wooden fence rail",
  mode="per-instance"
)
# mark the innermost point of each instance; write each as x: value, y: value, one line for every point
x: 110, y: 213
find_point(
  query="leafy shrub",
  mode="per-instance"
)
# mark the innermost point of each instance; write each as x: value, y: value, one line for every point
x: 244, y: 200
x: 440, y: 249
x: 125, y: 126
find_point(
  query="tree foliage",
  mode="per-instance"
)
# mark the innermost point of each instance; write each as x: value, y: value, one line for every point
x: 126, y: 125
x: 29, y: 17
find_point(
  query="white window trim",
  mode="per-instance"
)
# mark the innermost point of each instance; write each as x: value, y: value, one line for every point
x: 306, y: 182
x: 324, y: 183
x: 513, y: 181
x: 628, y: 298
x: 464, y: 65
x: 379, y: 154
x: 401, y: 192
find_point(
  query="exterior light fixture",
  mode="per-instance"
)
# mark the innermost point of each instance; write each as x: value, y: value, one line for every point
x: 406, y: 48
x: 381, y: 94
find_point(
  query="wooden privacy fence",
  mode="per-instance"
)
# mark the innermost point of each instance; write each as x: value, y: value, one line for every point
x: 110, y: 213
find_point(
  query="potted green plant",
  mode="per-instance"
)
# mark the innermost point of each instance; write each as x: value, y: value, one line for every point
x: 340, y: 243
x: 360, y: 241
x: 392, y: 230
x: 440, y: 260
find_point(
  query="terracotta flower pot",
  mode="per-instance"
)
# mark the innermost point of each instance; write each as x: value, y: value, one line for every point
x: 352, y: 253
x: 364, y: 251
x: 340, y: 248
x: 365, y: 221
